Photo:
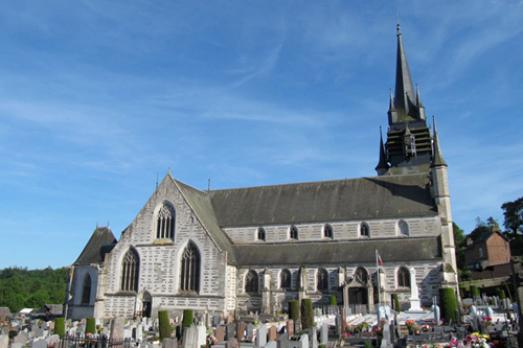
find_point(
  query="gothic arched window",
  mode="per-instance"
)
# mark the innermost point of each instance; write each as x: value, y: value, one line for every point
x: 130, y: 271
x: 86, y: 289
x: 190, y: 269
x: 260, y: 234
x: 165, y: 223
x: 293, y: 232
x: 327, y: 231
x: 322, y: 280
x: 251, y: 282
x: 298, y: 279
x: 403, y: 277
x: 364, y: 230
x: 285, y: 279
x: 403, y: 228
x: 361, y: 276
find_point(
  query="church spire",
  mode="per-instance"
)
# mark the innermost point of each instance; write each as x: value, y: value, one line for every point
x: 404, y: 95
x: 383, y: 165
x: 437, y: 157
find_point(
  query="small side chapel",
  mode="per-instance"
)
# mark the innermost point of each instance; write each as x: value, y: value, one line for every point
x: 254, y: 249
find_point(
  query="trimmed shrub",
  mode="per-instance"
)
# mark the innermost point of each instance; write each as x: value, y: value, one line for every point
x: 59, y: 327
x: 307, y: 314
x: 165, y: 325
x: 474, y: 291
x: 368, y: 344
x: 449, y: 304
x: 396, y: 302
x: 90, y: 326
x: 333, y: 301
x: 501, y: 293
x: 187, y: 318
x: 294, y: 310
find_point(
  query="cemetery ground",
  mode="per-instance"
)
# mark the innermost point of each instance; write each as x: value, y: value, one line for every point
x: 484, y: 322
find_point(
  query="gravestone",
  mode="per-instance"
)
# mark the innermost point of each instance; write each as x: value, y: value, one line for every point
x: 233, y: 343
x: 219, y: 334
x: 139, y: 333
x: 283, y: 340
x: 290, y: 327
x: 313, y: 338
x: 21, y: 338
x: 201, y: 335
x: 261, y: 337
x: 17, y: 345
x: 273, y: 333
x: 40, y: 343
x: 190, y: 337
x: 304, y: 341
x: 386, y: 340
x: 324, y: 334
x: 271, y: 344
x: 240, y: 331
x: 116, y: 335
x: 4, y: 341
x: 170, y: 343
x: 53, y: 340
x: 230, y: 331
x: 414, y: 293
x: 250, y: 332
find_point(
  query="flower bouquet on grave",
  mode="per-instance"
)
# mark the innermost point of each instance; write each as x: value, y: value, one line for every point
x: 411, y: 326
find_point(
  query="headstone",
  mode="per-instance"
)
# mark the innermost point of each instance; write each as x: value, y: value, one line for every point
x: 4, y: 341
x: 283, y: 340
x: 324, y: 335
x: 313, y: 338
x: 219, y: 334
x: 116, y: 335
x: 53, y: 340
x: 250, y: 332
x: 233, y: 343
x: 201, y: 335
x: 17, y: 345
x: 240, y: 331
x: 304, y: 341
x: 40, y: 343
x: 190, y: 337
x: 21, y: 338
x: 415, y: 305
x: 386, y: 340
x: 230, y: 331
x: 170, y: 343
x: 437, y: 313
x: 290, y: 327
x: 139, y: 333
x: 271, y: 344
x: 261, y: 337
x: 273, y: 333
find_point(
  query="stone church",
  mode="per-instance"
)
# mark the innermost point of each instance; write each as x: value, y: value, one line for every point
x: 256, y: 248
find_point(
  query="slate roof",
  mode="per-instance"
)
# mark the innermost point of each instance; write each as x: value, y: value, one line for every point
x: 336, y: 252
x: 395, y: 196
x: 101, y: 242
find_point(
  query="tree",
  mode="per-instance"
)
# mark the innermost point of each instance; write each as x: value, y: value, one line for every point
x: 513, y: 213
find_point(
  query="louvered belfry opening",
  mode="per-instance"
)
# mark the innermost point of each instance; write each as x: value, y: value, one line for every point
x: 165, y: 223
x: 190, y: 269
x: 130, y: 271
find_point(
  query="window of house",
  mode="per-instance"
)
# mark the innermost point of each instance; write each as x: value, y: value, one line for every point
x: 364, y: 230
x: 86, y: 289
x: 403, y: 277
x: 130, y: 271
x: 285, y: 279
x: 327, y: 231
x: 403, y: 228
x: 251, y: 282
x: 293, y: 232
x: 481, y: 252
x: 260, y: 234
x: 190, y: 269
x: 322, y: 283
x: 165, y: 223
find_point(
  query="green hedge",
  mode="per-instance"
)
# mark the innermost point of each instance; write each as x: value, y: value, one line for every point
x: 165, y: 325
x: 333, y: 301
x: 474, y: 291
x: 294, y: 310
x: 307, y: 314
x: 90, y: 326
x: 501, y: 293
x: 187, y: 318
x: 449, y: 304
x: 59, y: 327
x: 396, y: 302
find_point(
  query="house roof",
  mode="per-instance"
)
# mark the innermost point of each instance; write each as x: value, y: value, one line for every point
x: 394, y: 196
x: 336, y: 252
x: 101, y: 242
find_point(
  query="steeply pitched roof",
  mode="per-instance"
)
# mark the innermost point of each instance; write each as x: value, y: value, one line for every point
x: 100, y: 243
x: 336, y: 252
x: 201, y: 204
x: 341, y: 200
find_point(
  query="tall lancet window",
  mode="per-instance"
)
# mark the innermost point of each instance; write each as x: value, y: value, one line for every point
x: 190, y: 269
x: 130, y: 271
x: 165, y: 223
x: 322, y: 280
x: 86, y: 290
x: 285, y: 279
x: 251, y: 282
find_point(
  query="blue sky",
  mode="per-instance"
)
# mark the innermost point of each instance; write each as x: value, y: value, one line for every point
x: 98, y: 98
